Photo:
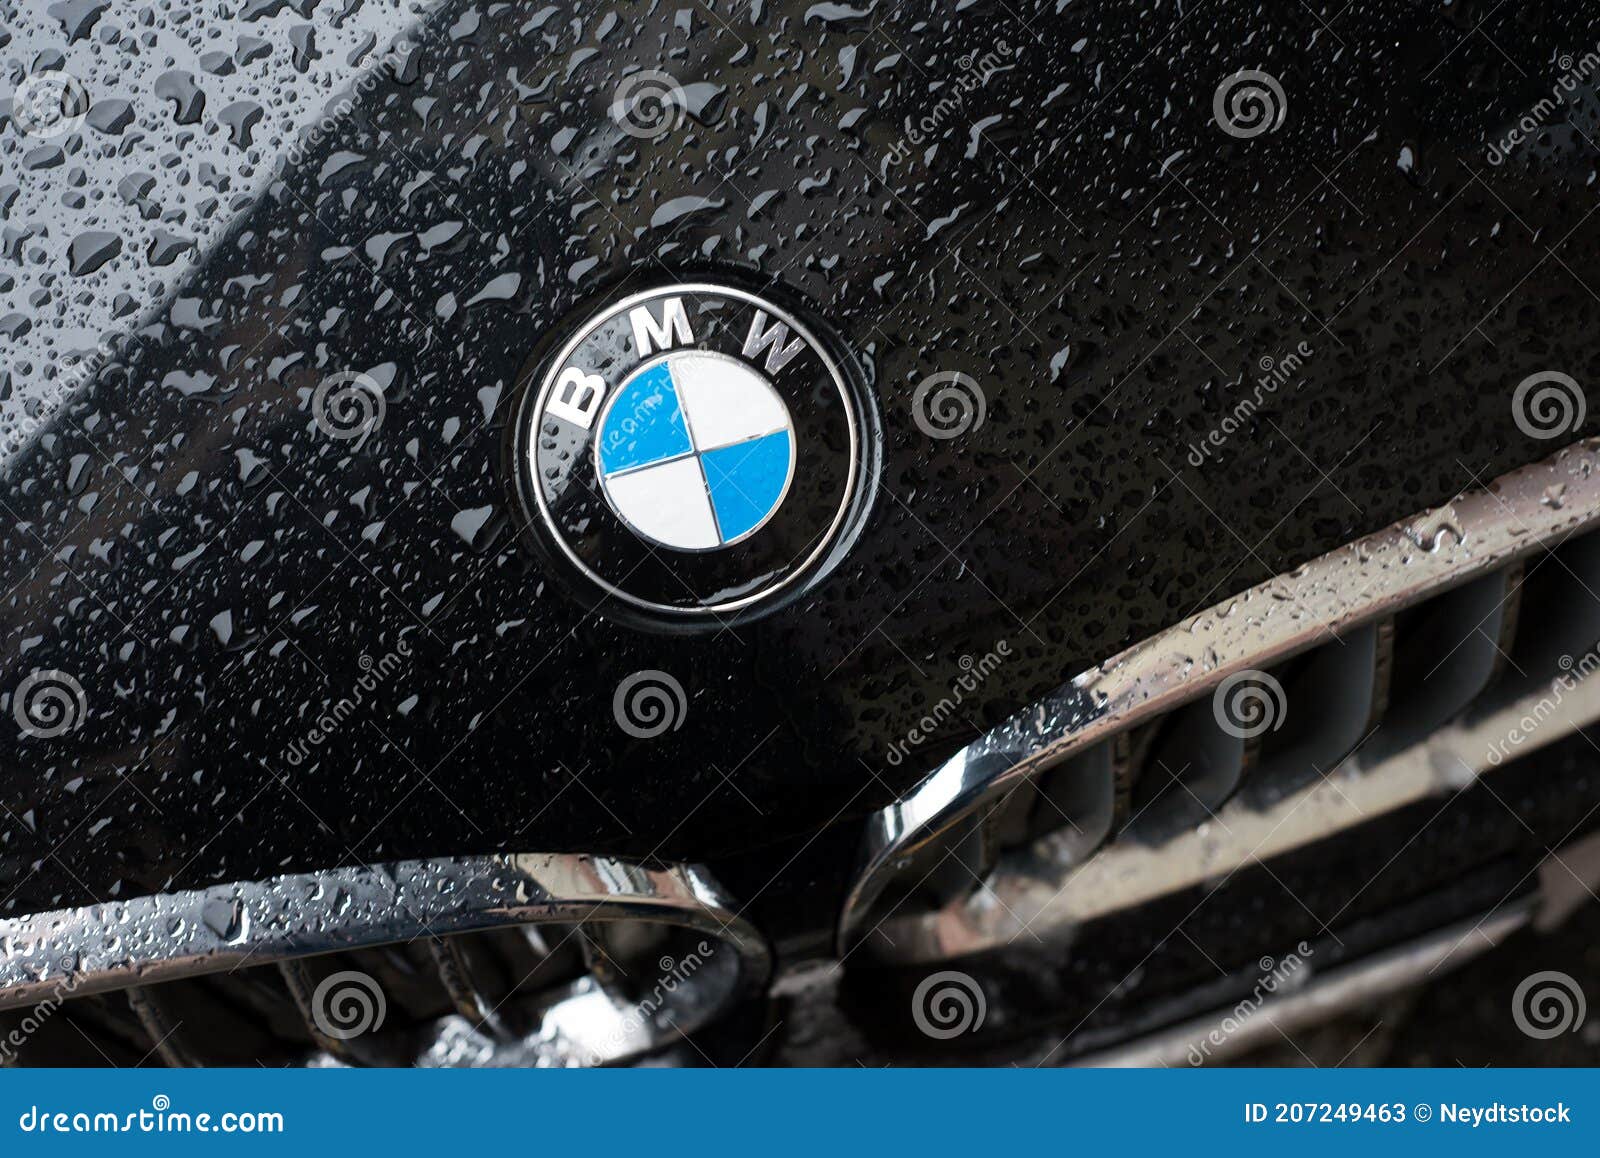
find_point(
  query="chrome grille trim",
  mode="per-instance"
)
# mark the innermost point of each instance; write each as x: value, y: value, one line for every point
x: 1366, y: 581
x: 148, y: 940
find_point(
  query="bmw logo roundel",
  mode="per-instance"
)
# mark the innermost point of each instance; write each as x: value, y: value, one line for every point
x: 694, y: 451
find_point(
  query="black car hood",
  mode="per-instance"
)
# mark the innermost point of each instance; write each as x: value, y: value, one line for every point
x: 1074, y: 232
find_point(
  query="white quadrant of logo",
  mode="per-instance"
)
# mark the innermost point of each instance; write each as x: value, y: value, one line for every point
x: 695, y: 451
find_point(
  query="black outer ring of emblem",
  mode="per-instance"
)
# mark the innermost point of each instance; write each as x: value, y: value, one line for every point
x: 604, y: 563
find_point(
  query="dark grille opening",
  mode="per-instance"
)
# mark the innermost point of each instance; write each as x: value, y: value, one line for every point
x: 1447, y: 650
x: 1192, y: 768
x: 1076, y: 804
x: 1335, y: 696
x: 1396, y: 879
x: 1560, y: 611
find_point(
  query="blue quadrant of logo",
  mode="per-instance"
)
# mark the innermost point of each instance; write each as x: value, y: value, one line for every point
x: 746, y: 480
x: 645, y: 423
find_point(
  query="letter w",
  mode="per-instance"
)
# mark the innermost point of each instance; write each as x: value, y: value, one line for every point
x: 778, y: 355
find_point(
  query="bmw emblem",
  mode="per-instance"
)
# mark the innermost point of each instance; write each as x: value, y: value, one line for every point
x: 694, y: 452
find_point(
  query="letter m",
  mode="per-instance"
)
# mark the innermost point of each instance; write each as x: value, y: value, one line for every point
x: 672, y: 330
x: 771, y: 340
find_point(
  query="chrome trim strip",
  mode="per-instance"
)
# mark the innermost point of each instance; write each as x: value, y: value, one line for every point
x: 1364, y: 581
x: 148, y: 940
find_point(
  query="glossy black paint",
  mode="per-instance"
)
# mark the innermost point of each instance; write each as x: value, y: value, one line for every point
x: 1079, y: 237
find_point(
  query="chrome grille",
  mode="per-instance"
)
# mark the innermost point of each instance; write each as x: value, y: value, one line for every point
x: 1396, y: 668
x: 503, y: 960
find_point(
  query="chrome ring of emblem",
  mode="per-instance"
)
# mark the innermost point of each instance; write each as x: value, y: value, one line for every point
x: 792, y: 534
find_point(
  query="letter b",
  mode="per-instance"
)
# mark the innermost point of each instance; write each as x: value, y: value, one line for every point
x: 576, y: 396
